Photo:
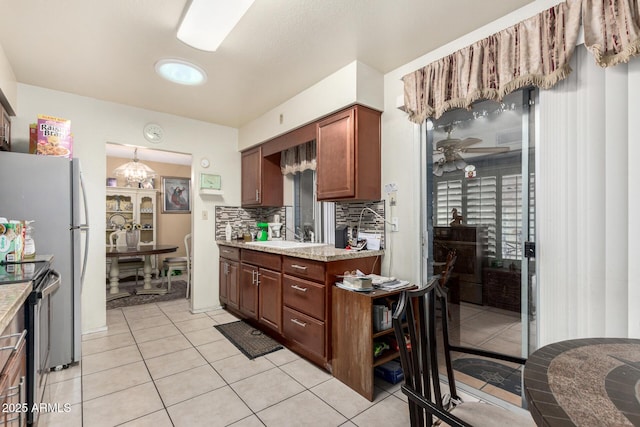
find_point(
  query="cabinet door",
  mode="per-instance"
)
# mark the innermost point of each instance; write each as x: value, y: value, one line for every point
x: 146, y: 216
x: 336, y: 156
x: 232, y: 284
x: 224, y: 282
x: 270, y: 291
x: 251, y: 177
x: 248, y: 303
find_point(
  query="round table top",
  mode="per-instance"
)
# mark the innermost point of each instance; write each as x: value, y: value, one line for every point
x: 141, y: 250
x: 585, y: 382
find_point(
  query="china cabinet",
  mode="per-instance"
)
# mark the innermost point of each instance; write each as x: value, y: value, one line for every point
x: 131, y: 205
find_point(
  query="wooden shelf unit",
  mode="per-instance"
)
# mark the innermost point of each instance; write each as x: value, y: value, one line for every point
x: 353, y: 337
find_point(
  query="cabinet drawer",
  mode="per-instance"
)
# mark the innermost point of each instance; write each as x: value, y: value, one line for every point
x: 304, y: 296
x: 304, y: 329
x: 306, y: 268
x: 230, y: 253
x: 262, y: 259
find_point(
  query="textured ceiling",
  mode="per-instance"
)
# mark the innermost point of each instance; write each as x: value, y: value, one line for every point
x: 107, y: 49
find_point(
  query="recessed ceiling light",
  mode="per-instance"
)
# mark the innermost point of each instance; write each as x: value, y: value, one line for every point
x: 208, y: 22
x: 181, y: 72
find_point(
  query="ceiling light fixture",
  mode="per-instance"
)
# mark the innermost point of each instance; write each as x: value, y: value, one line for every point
x: 181, y: 72
x: 134, y: 172
x: 208, y: 22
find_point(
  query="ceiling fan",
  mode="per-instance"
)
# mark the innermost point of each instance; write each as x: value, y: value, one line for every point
x: 451, y: 149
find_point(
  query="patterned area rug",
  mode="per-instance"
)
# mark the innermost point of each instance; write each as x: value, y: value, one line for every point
x: 247, y: 339
x: 178, y: 290
x: 497, y: 374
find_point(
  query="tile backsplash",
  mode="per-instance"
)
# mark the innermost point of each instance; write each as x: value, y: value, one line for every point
x: 242, y: 219
x: 347, y: 213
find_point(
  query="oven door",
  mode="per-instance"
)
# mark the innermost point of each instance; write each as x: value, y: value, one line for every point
x: 39, y: 319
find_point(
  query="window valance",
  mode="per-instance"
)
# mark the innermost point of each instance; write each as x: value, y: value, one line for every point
x: 611, y: 30
x: 535, y: 51
x: 299, y: 158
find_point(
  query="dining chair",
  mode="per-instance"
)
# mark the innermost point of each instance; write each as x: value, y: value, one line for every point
x: 127, y: 264
x: 180, y: 263
x: 415, y: 329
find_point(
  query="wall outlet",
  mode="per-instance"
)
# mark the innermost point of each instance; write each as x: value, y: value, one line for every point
x: 394, y: 224
x: 205, y: 215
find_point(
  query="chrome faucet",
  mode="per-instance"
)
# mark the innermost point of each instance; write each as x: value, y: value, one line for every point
x: 296, y: 236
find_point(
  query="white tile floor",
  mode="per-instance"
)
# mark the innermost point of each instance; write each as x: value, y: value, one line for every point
x: 159, y: 365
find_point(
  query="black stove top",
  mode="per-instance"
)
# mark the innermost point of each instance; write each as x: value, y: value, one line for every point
x: 23, y: 271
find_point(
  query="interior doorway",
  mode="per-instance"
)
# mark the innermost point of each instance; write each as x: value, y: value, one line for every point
x: 148, y: 203
x: 479, y: 202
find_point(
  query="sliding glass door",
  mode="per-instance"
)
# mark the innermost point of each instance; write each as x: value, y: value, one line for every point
x: 479, y: 202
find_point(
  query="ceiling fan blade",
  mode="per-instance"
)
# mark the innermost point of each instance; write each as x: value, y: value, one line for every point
x: 467, y: 142
x: 486, y: 150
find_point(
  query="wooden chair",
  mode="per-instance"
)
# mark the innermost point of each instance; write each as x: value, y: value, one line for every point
x: 418, y: 343
x: 128, y: 265
x: 180, y: 263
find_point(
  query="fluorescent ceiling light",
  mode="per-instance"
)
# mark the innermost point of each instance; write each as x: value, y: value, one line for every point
x: 208, y: 22
x: 182, y: 72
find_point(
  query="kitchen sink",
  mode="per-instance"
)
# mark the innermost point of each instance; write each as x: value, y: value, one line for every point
x: 284, y: 244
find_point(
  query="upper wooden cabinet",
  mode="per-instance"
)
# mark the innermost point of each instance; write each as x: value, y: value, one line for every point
x: 348, y: 155
x: 262, y: 183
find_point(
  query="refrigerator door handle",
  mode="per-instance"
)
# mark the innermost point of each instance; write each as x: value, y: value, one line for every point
x: 84, y: 227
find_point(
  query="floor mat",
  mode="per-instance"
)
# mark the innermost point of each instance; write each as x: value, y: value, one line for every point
x: 250, y: 341
x: 178, y: 290
x: 497, y: 374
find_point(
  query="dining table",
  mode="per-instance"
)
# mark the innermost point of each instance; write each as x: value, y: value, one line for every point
x: 584, y: 382
x: 147, y: 251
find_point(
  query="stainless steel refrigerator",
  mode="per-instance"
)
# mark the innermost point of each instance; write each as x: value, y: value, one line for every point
x: 49, y: 191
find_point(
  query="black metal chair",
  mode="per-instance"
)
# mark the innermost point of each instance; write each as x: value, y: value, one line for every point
x: 414, y: 323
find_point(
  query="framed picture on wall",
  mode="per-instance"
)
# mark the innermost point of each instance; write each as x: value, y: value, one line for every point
x: 176, y: 194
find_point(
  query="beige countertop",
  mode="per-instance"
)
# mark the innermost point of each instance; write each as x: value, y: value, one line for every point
x: 12, y: 297
x: 324, y: 253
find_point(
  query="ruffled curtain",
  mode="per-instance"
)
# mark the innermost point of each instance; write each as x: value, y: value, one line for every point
x: 611, y: 30
x: 533, y: 52
x: 299, y: 158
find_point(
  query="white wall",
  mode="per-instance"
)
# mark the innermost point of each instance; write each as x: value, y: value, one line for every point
x: 95, y: 122
x: 354, y: 83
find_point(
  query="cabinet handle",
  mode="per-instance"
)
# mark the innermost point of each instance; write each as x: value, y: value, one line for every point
x: 257, y: 278
x: 253, y: 277
x: 257, y: 195
x: 298, y: 288
x: 299, y: 267
x: 299, y: 323
x: 226, y: 251
x: 22, y: 336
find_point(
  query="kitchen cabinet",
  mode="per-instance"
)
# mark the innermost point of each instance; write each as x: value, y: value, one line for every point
x: 305, y: 306
x: 229, y: 278
x: 262, y: 183
x: 13, y: 363
x: 349, y: 155
x: 353, y: 355
x: 260, y: 289
x: 248, y: 290
x: 124, y: 205
x: 289, y: 297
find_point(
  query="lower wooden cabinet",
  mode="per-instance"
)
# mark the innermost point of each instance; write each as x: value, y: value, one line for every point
x: 270, y: 299
x: 287, y: 297
x: 229, y: 294
x: 249, y: 290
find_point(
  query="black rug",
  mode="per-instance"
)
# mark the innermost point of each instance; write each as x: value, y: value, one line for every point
x: 178, y: 290
x: 497, y: 374
x: 250, y: 341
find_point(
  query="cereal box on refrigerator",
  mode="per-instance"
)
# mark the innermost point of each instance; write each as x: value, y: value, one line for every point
x: 54, y: 136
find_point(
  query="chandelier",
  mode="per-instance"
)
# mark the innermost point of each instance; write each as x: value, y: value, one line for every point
x: 134, y: 172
